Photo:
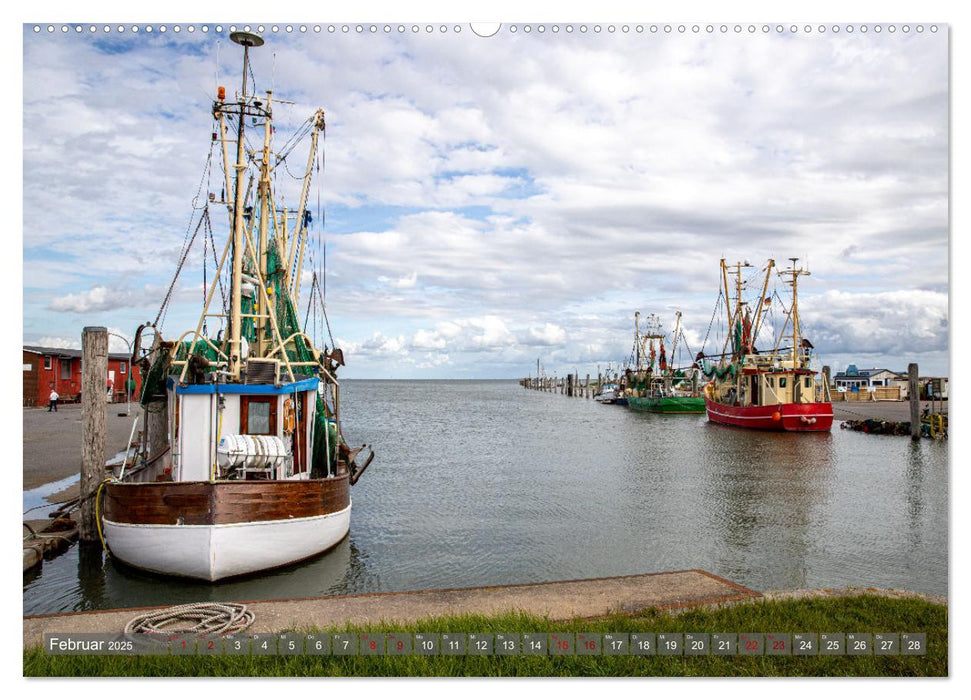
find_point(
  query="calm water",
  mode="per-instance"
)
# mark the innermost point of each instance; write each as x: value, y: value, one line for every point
x: 480, y: 483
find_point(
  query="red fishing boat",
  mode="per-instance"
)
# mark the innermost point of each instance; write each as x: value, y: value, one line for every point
x: 775, y: 390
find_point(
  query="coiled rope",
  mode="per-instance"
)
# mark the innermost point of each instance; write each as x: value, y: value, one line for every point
x: 194, y: 618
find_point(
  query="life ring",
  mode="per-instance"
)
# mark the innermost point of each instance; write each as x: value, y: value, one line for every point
x: 289, y: 416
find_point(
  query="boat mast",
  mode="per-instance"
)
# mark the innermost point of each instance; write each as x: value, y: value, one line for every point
x: 263, y: 193
x: 796, y: 344
x: 637, y: 340
x: 246, y: 40
x: 674, y: 345
x: 728, y: 300
x: 739, y: 303
x: 300, y: 237
x: 761, y: 308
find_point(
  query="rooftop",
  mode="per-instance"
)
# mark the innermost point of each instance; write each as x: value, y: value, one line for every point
x: 852, y: 371
x: 69, y: 352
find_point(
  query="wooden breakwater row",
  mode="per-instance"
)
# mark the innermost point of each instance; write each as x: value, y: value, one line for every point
x: 570, y: 385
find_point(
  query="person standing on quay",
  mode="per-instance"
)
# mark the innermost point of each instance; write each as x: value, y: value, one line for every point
x: 52, y: 406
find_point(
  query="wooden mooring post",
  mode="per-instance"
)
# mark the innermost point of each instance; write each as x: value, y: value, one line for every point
x: 94, y: 375
x: 913, y: 389
x: 586, y: 388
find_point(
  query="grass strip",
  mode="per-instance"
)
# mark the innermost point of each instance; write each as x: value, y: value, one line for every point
x: 854, y: 614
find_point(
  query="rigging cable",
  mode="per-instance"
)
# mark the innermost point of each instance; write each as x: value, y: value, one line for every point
x: 319, y: 281
x: 294, y: 140
x: 295, y: 283
x: 215, y: 262
x: 714, y: 312
x: 168, y: 295
x: 186, y: 241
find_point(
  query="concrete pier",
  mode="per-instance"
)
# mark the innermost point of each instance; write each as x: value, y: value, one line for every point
x: 560, y: 600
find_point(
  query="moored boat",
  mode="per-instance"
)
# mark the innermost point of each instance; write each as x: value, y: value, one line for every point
x: 244, y: 466
x: 658, y: 402
x: 660, y: 387
x: 609, y: 393
x: 774, y: 390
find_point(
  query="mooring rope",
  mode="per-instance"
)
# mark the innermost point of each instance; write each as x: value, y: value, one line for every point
x: 194, y: 618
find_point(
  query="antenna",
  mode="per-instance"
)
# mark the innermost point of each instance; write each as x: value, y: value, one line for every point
x: 247, y: 39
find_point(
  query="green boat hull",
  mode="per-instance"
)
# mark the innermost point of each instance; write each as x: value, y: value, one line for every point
x: 667, y: 404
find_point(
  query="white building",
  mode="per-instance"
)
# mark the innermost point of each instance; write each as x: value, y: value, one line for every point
x: 854, y: 379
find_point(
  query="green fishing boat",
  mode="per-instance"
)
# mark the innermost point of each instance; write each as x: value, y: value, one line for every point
x: 660, y: 403
x: 655, y: 386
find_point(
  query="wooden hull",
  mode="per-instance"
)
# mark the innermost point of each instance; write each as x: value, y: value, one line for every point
x: 667, y: 404
x: 212, y: 531
x: 787, y: 417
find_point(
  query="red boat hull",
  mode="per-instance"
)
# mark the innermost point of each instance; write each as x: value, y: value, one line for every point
x: 786, y: 417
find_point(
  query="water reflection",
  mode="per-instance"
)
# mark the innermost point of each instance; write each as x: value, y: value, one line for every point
x: 98, y: 582
x: 91, y: 568
x: 915, y: 484
x: 760, y: 491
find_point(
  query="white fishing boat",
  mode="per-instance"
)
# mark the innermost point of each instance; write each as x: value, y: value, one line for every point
x: 609, y: 393
x: 243, y: 466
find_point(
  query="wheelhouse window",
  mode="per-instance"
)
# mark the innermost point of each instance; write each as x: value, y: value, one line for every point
x: 122, y: 368
x: 258, y: 415
x: 48, y: 362
x: 65, y: 369
x: 782, y: 382
x: 809, y: 382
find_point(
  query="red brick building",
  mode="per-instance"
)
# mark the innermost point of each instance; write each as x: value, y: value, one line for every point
x: 60, y: 369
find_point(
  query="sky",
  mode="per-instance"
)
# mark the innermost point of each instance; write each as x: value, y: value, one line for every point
x: 488, y: 203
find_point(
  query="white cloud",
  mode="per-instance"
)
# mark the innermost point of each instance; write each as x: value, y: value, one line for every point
x: 406, y: 282
x: 110, y: 298
x: 548, y: 334
x: 115, y: 343
x: 98, y: 298
x: 895, y: 323
x: 425, y: 339
x: 48, y: 341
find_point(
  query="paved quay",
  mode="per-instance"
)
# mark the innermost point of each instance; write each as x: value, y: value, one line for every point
x: 559, y: 600
x: 52, y: 441
x: 896, y: 411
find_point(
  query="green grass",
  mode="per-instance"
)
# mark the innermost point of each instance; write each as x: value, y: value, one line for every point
x: 863, y: 613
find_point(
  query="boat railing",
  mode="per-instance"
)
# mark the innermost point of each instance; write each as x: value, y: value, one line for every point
x: 185, y: 363
x: 199, y: 336
x: 282, y: 346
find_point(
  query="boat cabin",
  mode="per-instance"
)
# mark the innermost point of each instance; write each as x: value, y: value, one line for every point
x: 241, y: 431
x: 778, y: 387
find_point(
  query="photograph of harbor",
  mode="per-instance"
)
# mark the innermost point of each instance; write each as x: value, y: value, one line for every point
x: 586, y: 348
